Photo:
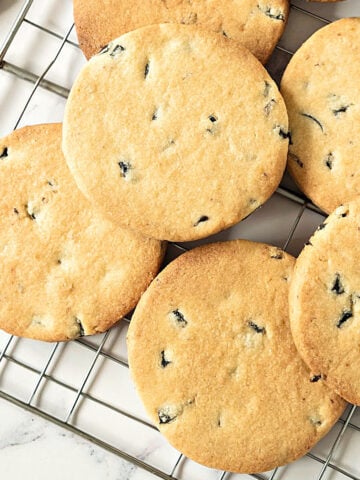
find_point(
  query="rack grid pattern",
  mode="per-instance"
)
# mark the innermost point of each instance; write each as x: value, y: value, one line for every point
x: 99, y: 350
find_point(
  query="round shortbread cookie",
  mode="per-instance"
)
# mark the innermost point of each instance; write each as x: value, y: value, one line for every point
x: 325, y: 302
x: 213, y: 360
x: 66, y: 271
x: 321, y: 90
x: 257, y: 24
x: 175, y: 131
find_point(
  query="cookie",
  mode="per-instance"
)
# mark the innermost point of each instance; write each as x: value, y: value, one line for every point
x: 66, y: 271
x: 321, y: 90
x: 175, y: 131
x: 256, y: 24
x: 325, y: 302
x: 213, y: 360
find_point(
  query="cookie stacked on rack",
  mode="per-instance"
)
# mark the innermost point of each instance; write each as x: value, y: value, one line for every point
x: 173, y: 132
x: 66, y: 270
x: 322, y: 92
x: 256, y: 24
x: 211, y: 354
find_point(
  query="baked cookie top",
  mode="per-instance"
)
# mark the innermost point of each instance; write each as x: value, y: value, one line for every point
x: 321, y: 90
x: 66, y: 271
x: 325, y: 302
x: 257, y: 24
x: 213, y: 360
x: 175, y: 131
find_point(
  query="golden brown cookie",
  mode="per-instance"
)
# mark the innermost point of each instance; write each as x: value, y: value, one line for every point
x: 325, y: 302
x: 175, y: 131
x: 257, y: 24
x: 213, y: 360
x: 321, y: 89
x: 66, y: 271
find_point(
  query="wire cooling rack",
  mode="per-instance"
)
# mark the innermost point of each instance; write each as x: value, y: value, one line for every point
x: 84, y: 386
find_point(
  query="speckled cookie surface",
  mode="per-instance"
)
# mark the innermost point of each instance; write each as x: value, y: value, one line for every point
x: 257, y: 24
x: 66, y: 271
x: 211, y: 354
x: 321, y: 90
x: 325, y: 302
x: 175, y: 131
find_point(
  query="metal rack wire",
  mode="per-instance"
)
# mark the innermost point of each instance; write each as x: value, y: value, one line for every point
x: 97, y: 351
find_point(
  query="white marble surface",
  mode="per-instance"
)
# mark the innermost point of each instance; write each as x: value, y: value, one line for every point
x: 35, y: 449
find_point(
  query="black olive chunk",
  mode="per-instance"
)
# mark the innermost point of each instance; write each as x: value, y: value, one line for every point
x: 4, y: 153
x: 277, y: 256
x: 314, y: 119
x: 180, y: 319
x: 104, y: 49
x: 165, y: 417
x: 203, y: 218
x: 118, y: 49
x: 344, y: 318
x: 146, y: 70
x: 285, y: 135
x: 337, y: 287
x: 342, y: 109
x: 124, y: 168
x: 78, y: 321
x: 164, y: 362
x: 256, y: 327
